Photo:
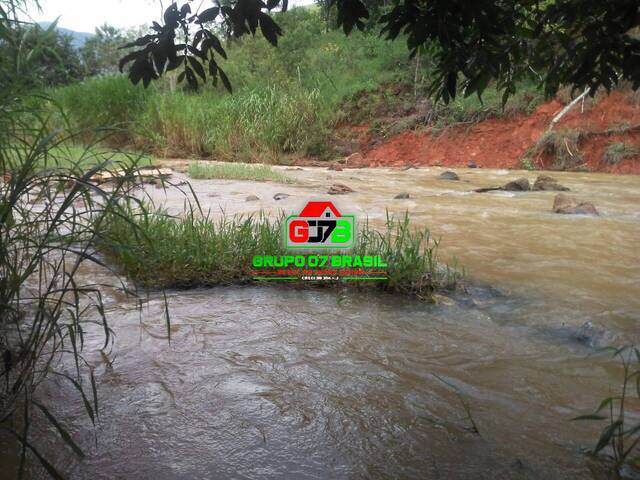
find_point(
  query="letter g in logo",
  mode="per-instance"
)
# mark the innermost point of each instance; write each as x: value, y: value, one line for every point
x: 298, y: 231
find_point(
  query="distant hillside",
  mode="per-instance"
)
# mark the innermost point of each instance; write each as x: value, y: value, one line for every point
x: 78, y: 37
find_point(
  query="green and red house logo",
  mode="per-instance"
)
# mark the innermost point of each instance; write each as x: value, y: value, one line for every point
x: 320, y: 225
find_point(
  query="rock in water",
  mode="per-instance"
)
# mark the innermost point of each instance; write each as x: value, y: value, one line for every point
x: 519, y: 185
x: 562, y: 203
x: 571, y: 205
x: 280, y: 196
x: 587, y: 208
x: 449, y: 175
x: 472, y: 164
x: 339, y: 189
x: 487, y: 189
x: 252, y: 198
x: 336, y: 168
x: 402, y: 196
x: 545, y: 182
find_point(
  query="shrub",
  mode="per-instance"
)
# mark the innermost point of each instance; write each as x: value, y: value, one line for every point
x: 618, y: 151
x: 527, y: 164
x: 562, y: 146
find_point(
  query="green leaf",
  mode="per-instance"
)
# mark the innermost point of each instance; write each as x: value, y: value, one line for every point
x: 217, y: 46
x: 167, y: 316
x: 208, y: 15
x: 94, y: 390
x: 606, y: 402
x: 197, y: 66
x: 270, y: 29
x: 607, y: 435
x: 61, y: 430
x: 78, y: 387
x: 225, y: 80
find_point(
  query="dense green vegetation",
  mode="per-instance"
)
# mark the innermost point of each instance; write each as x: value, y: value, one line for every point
x: 50, y: 217
x: 286, y: 100
x: 195, y: 250
x: 472, y: 44
x: 35, y: 57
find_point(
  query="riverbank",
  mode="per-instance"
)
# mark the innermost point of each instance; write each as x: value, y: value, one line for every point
x: 601, y: 135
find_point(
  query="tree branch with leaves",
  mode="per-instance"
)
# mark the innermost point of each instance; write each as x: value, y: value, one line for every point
x: 579, y: 43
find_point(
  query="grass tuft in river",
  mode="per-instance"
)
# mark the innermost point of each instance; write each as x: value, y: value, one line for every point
x: 195, y: 250
x: 236, y: 171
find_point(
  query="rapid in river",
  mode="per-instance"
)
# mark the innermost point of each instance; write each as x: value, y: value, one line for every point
x: 270, y: 382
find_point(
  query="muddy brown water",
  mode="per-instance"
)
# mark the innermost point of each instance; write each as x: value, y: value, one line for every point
x: 272, y: 382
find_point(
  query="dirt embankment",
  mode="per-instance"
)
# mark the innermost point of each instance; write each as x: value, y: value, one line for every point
x: 504, y: 142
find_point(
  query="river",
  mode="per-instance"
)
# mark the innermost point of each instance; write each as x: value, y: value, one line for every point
x: 264, y: 382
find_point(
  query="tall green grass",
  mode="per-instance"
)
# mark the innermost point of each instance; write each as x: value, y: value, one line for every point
x: 51, y: 216
x: 110, y: 102
x: 71, y: 155
x: 256, y: 125
x: 195, y: 250
x: 236, y: 171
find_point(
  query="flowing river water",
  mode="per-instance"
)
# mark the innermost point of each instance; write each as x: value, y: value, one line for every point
x: 265, y: 382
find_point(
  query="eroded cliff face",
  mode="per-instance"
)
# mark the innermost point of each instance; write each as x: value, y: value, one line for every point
x: 506, y: 142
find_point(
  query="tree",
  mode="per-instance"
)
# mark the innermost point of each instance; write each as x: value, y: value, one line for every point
x: 580, y: 43
x: 100, y: 53
x: 33, y: 56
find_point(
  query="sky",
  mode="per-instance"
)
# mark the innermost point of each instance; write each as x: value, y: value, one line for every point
x: 86, y: 15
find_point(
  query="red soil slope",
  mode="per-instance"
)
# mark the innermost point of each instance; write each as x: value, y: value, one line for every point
x: 501, y: 143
